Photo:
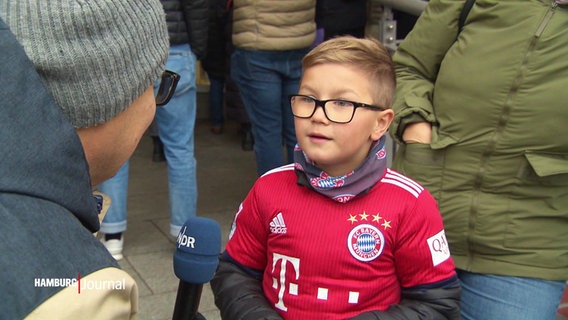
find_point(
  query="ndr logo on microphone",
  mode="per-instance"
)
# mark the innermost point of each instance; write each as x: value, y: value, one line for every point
x: 185, y: 240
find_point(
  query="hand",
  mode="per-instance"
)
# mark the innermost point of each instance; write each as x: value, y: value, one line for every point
x: 418, y: 132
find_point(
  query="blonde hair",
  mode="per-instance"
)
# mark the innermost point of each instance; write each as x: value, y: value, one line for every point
x: 368, y: 55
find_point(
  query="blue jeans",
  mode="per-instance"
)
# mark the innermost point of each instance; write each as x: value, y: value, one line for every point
x: 117, y: 189
x: 491, y: 297
x: 265, y: 79
x: 176, y: 123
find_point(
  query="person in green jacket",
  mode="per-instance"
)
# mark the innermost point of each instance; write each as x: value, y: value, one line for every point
x: 481, y: 122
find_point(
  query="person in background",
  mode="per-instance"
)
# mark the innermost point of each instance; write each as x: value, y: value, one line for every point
x: 270, y: 39
x: 338, y: 235
x: 215, y: 64
x: 236, y: 110
x: 480, y: 120
x: 218, y: 66
x: 76, y: 97
x: 233, y: 101
x: 341, y: 17
x: 187, y: 27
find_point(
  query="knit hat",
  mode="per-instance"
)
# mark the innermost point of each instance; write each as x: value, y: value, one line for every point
x: 95, y: 56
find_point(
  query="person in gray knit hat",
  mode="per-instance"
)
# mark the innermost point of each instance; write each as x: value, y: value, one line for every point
x: 76, y: 95
x: 96, y: 58
x: 93, y: 63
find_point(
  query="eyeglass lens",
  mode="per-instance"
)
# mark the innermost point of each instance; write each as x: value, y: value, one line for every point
x: 339, y: 111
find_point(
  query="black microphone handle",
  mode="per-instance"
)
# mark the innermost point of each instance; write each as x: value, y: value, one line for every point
x: 187, y: 301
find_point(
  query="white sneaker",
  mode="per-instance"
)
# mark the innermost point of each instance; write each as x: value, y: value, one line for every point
x: 114, y: 246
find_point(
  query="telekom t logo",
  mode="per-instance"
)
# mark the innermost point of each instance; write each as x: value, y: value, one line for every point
x: 281, y: 281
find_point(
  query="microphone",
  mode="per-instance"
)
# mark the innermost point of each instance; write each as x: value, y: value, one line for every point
x: 195, y: 261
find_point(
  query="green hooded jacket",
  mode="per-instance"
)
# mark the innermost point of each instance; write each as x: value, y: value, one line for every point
x: 496, y: 95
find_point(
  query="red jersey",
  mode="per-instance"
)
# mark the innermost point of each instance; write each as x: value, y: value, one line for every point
x: 322, y: 259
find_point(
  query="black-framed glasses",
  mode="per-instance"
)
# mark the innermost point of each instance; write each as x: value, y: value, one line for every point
x: 167, y: 87
x: 335, y: 110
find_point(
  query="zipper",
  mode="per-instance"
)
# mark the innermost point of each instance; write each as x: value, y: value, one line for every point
x: 546, y: 19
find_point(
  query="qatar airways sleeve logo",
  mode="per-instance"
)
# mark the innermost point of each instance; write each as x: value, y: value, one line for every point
x: 439, y: 248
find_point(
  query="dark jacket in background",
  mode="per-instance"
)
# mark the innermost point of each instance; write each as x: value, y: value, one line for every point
x: 188, y: 22
x: 216, y: 62
x: 342, y: 17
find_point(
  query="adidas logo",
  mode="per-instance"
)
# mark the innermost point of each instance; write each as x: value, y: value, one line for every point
x: 277, y: 225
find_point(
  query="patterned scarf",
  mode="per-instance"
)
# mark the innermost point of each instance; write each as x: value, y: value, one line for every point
x: 346, y: 187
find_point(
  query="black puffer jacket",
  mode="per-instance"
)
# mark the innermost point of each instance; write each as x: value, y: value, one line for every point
x: 239, y: 296
x: 341, y: 14
x: 188, y: 22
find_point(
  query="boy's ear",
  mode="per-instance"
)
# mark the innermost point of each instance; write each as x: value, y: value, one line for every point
x: 383, y: 121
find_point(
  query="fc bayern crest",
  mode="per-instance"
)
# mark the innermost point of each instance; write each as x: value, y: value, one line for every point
x: 365, y: 242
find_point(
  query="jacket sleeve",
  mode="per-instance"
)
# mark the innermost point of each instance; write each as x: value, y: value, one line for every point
x: 423, y: 303
x: 417, y: 61
x: 196, y: 13
x: 238, y: 292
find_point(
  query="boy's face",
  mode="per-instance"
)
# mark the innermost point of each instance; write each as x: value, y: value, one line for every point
x: 339, y: 148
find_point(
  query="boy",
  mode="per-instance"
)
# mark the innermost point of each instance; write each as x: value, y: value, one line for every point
x: 338, y: 235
